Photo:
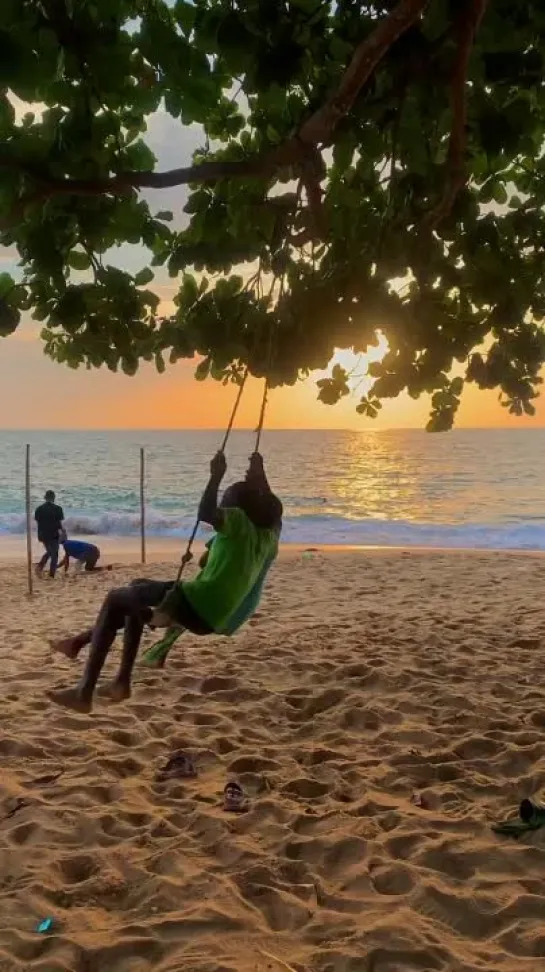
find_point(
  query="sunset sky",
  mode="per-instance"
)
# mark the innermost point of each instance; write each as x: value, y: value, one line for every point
x: 38, y: 393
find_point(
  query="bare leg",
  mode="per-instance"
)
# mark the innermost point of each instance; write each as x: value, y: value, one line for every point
x: 128, y: 607
x: 71, y: 647
x: 120, y: 688
x: 116, y: 606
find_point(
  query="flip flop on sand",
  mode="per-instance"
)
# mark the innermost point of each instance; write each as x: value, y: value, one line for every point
x: 531, y: 817
x: 179, y: 766
x: 234, y: 798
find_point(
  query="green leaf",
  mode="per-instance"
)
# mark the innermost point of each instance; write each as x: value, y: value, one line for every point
x: 202, y: 370
x: 165, y: 216
x: 189, y: 291
x: 159, y: 362
x: 7, y: 283
x: 139, y: 156
x: 338, y: 373
x: 79, y: 261
x: 500, y: 193
x: 9, y: 318
x: 185, y: 13
x: 308, y: 6
x: 143, y: 277
x: 129, y: 364
x: 340, y: 49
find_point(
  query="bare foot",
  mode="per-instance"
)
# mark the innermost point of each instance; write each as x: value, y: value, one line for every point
x: 71, y: 699
x: 116, y: 691
x: 66, y: 646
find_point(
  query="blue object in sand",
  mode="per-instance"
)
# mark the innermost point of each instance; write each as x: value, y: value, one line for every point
x: 44, y: 926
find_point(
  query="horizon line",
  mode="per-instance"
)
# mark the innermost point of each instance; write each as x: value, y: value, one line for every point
x: 251, y: 429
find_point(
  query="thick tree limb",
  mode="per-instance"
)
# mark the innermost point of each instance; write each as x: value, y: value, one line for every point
x: 295, y: 151
x: 467, y: 27
x: 319, y: 128
x: 204, y: 172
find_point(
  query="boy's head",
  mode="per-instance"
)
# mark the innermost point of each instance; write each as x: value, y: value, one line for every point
x: 49, y: 496
x: 262, y: 507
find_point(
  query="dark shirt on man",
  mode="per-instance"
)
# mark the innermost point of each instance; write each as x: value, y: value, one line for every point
x: 49, y: 518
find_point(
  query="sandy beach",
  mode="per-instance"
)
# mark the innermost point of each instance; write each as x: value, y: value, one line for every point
x: 381, y: 711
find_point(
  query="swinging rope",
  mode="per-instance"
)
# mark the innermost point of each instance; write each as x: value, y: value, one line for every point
x: 187, y: 555
x: 259, y: 429
x: 234, y: 412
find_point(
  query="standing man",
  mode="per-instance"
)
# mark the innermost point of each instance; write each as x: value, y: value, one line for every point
x: 49, y: 518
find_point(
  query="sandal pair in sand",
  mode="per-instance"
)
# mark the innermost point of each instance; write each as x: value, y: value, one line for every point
x: 180, y: 766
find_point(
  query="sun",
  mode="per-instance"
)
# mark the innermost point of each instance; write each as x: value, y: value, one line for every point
x: 357, y: 364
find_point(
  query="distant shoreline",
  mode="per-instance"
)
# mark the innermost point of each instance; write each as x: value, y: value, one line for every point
x: 395, y: 490
x: 126, y: 550
x: 250, y: 429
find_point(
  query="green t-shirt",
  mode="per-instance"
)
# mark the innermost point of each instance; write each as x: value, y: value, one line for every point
x: 235, y: 562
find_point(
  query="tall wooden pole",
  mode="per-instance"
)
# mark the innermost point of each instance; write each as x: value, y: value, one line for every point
x: 28, y: 524
x: 142, y: 506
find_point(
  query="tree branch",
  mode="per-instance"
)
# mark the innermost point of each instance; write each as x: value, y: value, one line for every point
x: 321, y: 125
x: 123, y: 182
x: 295, y: 151
x: 467, y: 27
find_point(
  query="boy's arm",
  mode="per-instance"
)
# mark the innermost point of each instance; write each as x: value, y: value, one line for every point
x: 256, y: 473
x: 209, y: 511
x: 204, y: 559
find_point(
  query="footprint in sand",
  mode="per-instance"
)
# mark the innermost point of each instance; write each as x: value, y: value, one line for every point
x: 393, y: 880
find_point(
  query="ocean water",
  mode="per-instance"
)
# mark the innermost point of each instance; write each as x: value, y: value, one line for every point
x: 468, y: 488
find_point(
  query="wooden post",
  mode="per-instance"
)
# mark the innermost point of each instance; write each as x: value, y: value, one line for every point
x: 142, y: 506
x: 28, y: 524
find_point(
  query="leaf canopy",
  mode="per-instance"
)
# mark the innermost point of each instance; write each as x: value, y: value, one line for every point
x: 365, y: 167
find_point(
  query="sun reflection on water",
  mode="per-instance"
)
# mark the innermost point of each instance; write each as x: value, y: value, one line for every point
x: 386, y: 475
x: 374, y: 476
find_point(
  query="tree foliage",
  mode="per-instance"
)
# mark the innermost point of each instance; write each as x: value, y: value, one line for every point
x: 365, y: 167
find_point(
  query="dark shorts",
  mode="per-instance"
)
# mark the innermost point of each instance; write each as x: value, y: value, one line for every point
x: 150, y: 594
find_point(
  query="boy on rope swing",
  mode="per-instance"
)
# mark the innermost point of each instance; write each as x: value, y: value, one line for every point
x: 217, y: 601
